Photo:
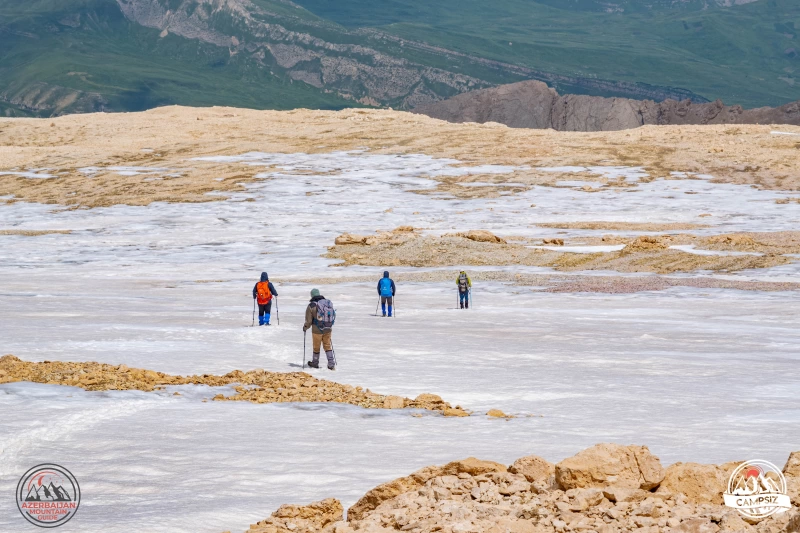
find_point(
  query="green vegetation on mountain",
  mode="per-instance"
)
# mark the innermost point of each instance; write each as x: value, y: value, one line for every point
x: 61, y: 56
x: 745, y: 54
x: 84, y: 55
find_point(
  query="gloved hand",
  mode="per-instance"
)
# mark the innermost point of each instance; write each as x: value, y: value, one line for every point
x: 305, y: 328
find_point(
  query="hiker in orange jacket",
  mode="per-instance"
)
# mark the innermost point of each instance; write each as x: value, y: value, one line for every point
x: 263, y: 292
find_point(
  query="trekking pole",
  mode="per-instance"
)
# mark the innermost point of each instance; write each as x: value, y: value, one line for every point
x: 335, y: 362
x: 277, y: 311
x: 377, y: 306
x: 394, y: 309
x: 304, y: 350
x: 254, y: 313
x: 471, y: 303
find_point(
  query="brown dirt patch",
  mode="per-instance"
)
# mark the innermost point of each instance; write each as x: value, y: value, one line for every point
x: 34, y: 233
x: 256, y: 386
x: 624, y: 226
x: 169, y: 137
x: 642, y: 254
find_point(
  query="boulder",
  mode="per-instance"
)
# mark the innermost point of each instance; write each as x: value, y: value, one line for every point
x: 646, y: 243
x: 394, y: 402
x: 472, y: 466
x: 483, y: 236
x: 606, y: 465
x: 792, y: 467
x: 536, y: 470
x: 622, y: 494
x: 349, y: 238
x: 310, y: 518
x: 699, y: 483
x: 372, y: 499
x: 428, y: 398
x: 697, y: 525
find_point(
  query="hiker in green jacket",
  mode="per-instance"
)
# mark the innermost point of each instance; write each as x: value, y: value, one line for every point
x: 464, y: 286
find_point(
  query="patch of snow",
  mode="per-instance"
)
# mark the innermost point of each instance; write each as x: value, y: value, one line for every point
x: 583, y: 249
x: 127, y: 292
x: 34, y: 174
x: 124, y: 170
x: 690, y: 248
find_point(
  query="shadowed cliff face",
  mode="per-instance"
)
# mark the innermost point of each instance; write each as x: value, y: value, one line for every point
x: 532, y: 104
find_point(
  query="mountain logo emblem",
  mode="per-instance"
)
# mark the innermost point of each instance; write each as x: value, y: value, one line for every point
x: 48, y: 495
x: 757, y: 489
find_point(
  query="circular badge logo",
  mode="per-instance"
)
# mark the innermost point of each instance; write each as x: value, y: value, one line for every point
x: 757, y: 489
x: 48, y: 495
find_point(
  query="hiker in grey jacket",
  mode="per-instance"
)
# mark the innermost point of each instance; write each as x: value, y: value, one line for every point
x: 320, y: 334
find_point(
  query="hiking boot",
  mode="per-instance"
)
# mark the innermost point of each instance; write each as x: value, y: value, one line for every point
x: 312, y: 364
x: 331, y: 367
x: 384, y: 314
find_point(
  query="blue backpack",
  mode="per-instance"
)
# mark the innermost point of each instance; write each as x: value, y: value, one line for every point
x: 386, y: 287
x: 326, y: 315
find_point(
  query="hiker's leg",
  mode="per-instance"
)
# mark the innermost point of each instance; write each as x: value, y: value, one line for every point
x: 261, y: 312
x: 390, y: 301
x: 383, y: 305
x: 326, y: 341
x: 328, y: 345
x: 316, y: 341
x: 267, y: 312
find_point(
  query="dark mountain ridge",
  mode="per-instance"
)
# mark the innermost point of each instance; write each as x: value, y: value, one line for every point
x: 532, y: 104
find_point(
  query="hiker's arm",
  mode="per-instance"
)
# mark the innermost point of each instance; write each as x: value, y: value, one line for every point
x: 255, y: 292
x: 272, y: 289
x: 393, y: 288
x: 309, y: 318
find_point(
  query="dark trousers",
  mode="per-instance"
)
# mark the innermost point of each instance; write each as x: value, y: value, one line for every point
x: 265, y: 309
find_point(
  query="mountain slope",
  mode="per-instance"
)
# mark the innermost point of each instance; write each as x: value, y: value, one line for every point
x: 85, y: 55
x: 62, y: 56
x: 748, y: 54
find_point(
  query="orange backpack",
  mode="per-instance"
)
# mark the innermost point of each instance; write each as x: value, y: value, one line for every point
x: 263, y: 292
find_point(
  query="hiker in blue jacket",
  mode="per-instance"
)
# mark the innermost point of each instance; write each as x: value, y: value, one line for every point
x: 386, y: 289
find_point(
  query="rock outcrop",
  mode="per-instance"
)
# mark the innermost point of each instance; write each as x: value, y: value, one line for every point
x: 256, y: 386
x: 301, y: 518
x: 532, y: 104
x: 606, y: 465
x: 530, y: 497
x: 700, y: 483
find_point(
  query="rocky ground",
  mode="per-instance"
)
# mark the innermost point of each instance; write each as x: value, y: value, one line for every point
x: 256, y: 386
x: 86, y: 155
x: 650, y: 253
x: 607, y: 488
